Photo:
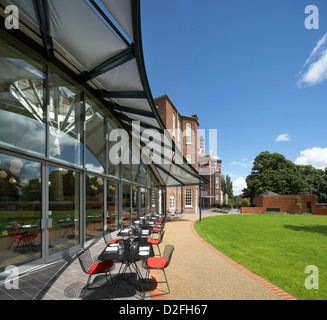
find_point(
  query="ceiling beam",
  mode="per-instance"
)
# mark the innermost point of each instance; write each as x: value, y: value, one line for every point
x: 108, y: 65
x: 122, y: 94
x: 43, y: 14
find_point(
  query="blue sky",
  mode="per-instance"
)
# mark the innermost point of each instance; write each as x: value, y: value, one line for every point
x: 249, y: 69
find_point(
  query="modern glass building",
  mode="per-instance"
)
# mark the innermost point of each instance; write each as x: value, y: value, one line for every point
x: 72, y: 75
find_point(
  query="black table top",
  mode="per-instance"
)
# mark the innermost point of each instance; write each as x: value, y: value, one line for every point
x: 136, y: 232
x: 129, y: 254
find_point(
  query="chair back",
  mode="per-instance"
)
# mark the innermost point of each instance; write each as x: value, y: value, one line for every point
x: 85, y: 260
x: 107, y: 237
x: 168, y: 252
x: 161, y: 235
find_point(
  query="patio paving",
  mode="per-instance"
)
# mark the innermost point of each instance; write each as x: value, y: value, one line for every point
x: 196, y: 272
x: 64, y: 280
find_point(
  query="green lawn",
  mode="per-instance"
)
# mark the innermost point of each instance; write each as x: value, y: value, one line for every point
x: 277, y: 247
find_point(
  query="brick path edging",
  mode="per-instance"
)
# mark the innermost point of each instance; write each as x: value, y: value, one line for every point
x: 284, y: 295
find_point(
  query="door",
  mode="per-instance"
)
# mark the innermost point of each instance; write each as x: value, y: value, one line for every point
x: 308, y: 207
x: 62, y: 217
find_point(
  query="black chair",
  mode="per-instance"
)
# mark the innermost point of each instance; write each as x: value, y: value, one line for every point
x: 155, y: 263
x: 157, y: 241
x: 91, y: 268
x: 158, y: 227
x: 107, y: 237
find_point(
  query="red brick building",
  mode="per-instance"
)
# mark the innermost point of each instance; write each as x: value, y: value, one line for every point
x: 210, y: 168
x: 271, y: 202
x: 184, y: 131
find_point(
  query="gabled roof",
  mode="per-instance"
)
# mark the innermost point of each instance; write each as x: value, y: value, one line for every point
x: 99, y: 45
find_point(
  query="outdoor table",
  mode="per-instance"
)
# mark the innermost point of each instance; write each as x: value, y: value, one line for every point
x: 135, y: 232
x: 131, y: 253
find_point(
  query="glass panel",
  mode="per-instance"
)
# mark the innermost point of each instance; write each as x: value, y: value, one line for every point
x: 135, y: 202
x: 95, y: 137
x: 126, y: 212
x: 94, y: 207
x: 127, y: 168
x: 20, y: 211
x: 143, y: 201
x: 112, y: 205
x: 63, y: 208
x: 148, y: 200
x: 65, y: 122
x: 154, y: 202
x: 112, y: 168
x: 22, y: 116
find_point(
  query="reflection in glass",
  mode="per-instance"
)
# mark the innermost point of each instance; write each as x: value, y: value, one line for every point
x: 143, y: 201
x: 63, y: 208
x: 112, y: 205
x: 95, y: 137
x: 65, y: 118
x: 135, y: 201
x: 126, y: 210
x: 154, y: 202
x: 113, y: 169
x: 148, y: 200
x: 20, y: 211
x: 22, y: 87
x: 94, y: 207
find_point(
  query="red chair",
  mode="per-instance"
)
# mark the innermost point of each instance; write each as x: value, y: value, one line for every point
x: 26, y: 240
x: 91, y: 268
x: 161, y: 263
x: 157, y: 241
x: 158, y: 228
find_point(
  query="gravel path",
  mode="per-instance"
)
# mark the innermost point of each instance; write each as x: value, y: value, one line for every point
x: 196, y: 272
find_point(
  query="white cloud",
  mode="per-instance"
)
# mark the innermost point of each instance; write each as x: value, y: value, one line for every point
x: 317, y: 157
x: 238, y: 185
x: 237, y: 163
x: 314, y: 70
x: 283, y: 137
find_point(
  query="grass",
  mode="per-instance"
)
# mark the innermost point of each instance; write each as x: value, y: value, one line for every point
x: 277, y: 247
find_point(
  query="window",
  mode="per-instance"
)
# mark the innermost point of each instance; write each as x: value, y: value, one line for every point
x: 22, y: 102
x: 189, y: 158
x: 188, y: 133
x: 65, y: 118
x: 188, y: 198
x: 178, y: 131
x: 172, y: 202
x: 95, y: 136
x: 174, y: 120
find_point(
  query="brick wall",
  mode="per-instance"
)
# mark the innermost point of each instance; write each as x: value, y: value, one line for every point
x: 253, y: 210
x: 285, y: 203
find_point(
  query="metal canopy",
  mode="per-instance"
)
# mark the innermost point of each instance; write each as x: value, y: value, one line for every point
x: 99, y: 44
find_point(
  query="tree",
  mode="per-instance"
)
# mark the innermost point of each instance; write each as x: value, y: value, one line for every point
x: 273, y: 172
x: 227, y: 186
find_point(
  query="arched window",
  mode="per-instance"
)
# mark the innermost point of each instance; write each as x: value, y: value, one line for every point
x: 172, y: 202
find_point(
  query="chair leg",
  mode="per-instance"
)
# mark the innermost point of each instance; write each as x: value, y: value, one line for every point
x: 166, y: 281
x: 158, y: 249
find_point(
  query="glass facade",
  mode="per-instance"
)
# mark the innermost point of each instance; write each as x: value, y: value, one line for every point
x: 59, y: 187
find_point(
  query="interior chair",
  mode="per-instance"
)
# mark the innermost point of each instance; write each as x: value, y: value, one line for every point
x: 156, y: 263
x: 91, y: 268
x: 157, y: 241
x: 25, y: 241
